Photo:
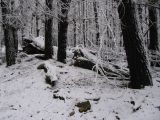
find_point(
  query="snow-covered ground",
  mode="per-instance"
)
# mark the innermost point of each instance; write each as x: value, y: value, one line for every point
x: 24, y: 94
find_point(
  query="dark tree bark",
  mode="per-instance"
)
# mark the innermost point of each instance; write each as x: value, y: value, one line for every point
x: 62, y: 31
x: 8, y: 36
x: 95, y: 6
x: 153, y: 44
x: 37, y: 28
x: 15, y: 30
x: 10, y: 45
x: 32, y: 24
x: 136, y: 56
x: 22, y: 36
x: 48, y: 32
x: 84, y: 23
x: 15, y: 36
x: 37, y: 19
x: 74, y: 29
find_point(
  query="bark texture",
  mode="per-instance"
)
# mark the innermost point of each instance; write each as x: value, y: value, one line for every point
x: 62, y: 31
x: 8, y: 36
x: 153, y: 44
x: 48, y: 32
x: 95, y: 6
x: 136, y: 56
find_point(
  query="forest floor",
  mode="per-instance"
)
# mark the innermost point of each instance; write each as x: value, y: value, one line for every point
x: 24, y: 94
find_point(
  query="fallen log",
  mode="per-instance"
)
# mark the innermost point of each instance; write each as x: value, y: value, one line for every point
x: 50, y: 73
x: 37, y: 46
x: 32, y: 47
x: 89, y: 61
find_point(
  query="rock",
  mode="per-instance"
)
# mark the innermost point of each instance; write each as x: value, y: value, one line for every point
x: 72, y: 113
x: 84, y: 106
x: 58, y: 97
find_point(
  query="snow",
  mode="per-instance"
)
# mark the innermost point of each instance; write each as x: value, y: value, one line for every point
x: 39, y: 42
x: 24, y: 95
x: 51, y: 71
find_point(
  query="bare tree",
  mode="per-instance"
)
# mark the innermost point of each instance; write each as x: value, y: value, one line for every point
x: 84, y: 22
x: 136, y: 57
x: 153, y: 44
x: 15, y: 29
x: 8, y: 34
x: 62, y: 30
x: 48, y: 32
x: 74, y: 28
x: 95, y: 6
x: 37, y: 19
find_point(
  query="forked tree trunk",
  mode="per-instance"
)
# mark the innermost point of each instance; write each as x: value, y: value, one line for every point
x: 8, y: 36
x: 136, y: 56
x: 48, y: 32
x: 62, y: 31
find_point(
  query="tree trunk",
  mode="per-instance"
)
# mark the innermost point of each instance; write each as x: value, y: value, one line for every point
x: 136, y: 56
x: 48, y: 32
x: 15, y: 36
x: 153, y: 44
x: 62, y: 32
x: 10, y: 46
x: 37, y: 27
x: 74, y: 29
x: 8, y: 36
x: 15, y: 30
x: 22, y: 36
x: 95, y: 6
x: 84, y: 23
x: 37, y: 20
x: 32, y: 24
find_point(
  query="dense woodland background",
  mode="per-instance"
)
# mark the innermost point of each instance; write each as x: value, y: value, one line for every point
x: 79, y: 59
x: 106, y: 27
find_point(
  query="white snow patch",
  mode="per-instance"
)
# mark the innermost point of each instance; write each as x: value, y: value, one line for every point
x: 39, y: 42
x: 24, y: 95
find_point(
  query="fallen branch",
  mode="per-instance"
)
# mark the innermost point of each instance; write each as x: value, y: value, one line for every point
x: 89, y: 61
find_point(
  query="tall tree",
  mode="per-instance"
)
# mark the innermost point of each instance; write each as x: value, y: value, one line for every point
x: 74, y: 29
x: 136, y: 57
x: 95, y: 6
x: 15, y: 37
x: 62, y: 30
x: 15, y: 29
x: 84, y: 22
x: 8, y: 34
x: 37, y: 19
x: 48, y: 32
x: 153, y: 44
